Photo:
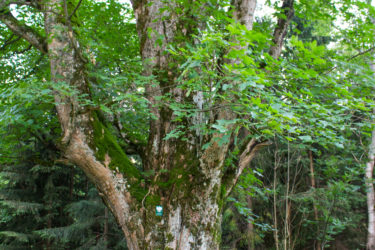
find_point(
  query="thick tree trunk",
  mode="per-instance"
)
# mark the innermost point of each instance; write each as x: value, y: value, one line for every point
x: 194, y: 195
x: 185, y: 226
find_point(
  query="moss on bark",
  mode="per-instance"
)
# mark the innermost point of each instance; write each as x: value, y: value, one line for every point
x: 104, y: 143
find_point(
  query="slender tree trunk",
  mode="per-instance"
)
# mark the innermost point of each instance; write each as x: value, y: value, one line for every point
x: 287, y: 205
x: 369, y: 177
x: 105, y: 229
x: 49, y: 222
x: 371, y: 194
x: 71, y: 183
x: 313, y: 185
x: 276, y: 230
x: 250, y: 226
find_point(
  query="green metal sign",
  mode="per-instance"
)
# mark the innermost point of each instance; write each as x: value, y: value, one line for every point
x: 159, y: 211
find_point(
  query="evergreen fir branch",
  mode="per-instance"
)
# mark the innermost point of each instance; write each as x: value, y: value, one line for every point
x: 22, y: 207
x: 20, y: 237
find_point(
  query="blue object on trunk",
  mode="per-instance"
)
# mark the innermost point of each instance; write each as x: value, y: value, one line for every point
x: 159, y: 211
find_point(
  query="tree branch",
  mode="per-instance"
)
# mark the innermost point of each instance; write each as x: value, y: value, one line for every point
x: 287, y: 13
x: 9, y: 41
x: 5, y: 3
x: 23, y: 31
x: 245, y: 158
x: 75, y: 9
x: 351, y: 58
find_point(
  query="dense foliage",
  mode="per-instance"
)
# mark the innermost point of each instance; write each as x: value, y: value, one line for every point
x: 312, y: 107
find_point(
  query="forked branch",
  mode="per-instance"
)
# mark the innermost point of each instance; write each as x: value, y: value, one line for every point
x: 23, y: 31
x: 244, y: 160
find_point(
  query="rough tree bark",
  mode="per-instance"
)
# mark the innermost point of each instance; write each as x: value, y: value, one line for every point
x: 189, y: 182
